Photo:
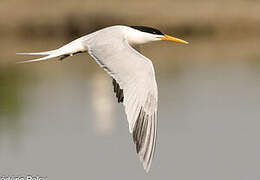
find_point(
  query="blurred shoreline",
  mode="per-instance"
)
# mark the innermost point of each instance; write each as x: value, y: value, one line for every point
x: 215, y: 29
x: 234, y: 18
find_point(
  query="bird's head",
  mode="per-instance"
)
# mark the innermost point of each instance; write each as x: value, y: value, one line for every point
x: 144, y: 34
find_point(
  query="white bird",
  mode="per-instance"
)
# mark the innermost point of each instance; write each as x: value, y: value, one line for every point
x: 133, y: 76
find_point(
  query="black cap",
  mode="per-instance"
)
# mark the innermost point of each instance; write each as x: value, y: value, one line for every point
x: 147, y: 30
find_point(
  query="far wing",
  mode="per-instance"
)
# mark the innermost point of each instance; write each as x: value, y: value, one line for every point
x: 135, y: 76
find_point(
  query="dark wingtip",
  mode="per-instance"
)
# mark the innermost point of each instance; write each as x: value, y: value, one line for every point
x: 140, y: 129
x: 119, y: 92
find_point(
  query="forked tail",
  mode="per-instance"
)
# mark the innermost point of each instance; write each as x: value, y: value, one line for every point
x: 69, y: 49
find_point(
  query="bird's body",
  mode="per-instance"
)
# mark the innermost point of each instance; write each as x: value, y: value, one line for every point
x: 133, y: 76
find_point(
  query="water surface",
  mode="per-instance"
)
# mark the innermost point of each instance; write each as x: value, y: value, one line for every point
x: 62, y: 120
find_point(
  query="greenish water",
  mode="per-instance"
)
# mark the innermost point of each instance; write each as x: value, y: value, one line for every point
x: 62, y: 120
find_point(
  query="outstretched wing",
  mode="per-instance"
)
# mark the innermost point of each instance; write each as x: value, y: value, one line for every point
x: 135, y: 86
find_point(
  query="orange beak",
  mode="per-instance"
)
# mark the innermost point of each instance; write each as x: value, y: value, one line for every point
x: 170, y: 38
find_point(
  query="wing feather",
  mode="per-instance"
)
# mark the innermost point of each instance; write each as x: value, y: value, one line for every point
x: 135, y: 85
x: 119, y: 92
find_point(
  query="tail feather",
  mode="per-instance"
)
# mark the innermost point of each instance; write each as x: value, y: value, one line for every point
x: 38, y: 53
x: 71, y: 48
x: 40, y: 59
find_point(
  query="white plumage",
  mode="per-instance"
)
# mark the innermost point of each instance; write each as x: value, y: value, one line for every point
x: 133, y: 74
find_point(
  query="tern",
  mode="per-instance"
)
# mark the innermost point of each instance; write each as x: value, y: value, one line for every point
x: 132, y: 73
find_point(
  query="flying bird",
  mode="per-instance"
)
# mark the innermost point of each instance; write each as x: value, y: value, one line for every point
x: 133, y: 76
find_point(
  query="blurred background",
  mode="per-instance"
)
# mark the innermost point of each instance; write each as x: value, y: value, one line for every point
x: 62, y: 120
